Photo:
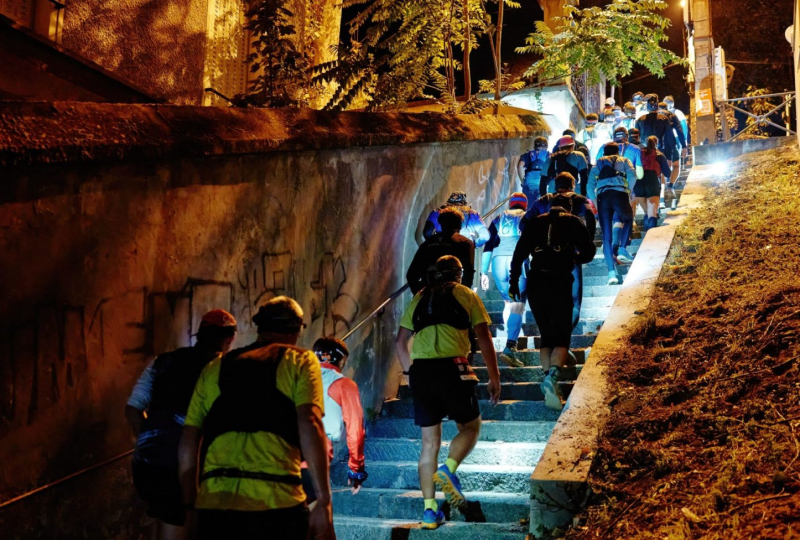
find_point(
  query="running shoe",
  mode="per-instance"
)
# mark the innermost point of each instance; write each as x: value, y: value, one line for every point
x: 613, y: 279
x: 508, y: 357
x: 623, y: 256
x: 448, y: 483
x: 552, y: 393
x: 431, y: 519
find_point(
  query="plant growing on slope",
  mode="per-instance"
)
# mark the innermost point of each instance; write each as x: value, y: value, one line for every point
x: 602, y: 42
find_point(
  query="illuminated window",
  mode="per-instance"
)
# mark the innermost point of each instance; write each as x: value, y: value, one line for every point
x: 228, y: 47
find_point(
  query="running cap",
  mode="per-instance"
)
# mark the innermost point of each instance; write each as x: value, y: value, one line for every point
x: 565, y: 180
x: 457, y: 198
x: 638, y: 96
x: 620, y: 134
x: 652, y: 102
x: 518, y: 199
x: 281, y: 315
x: 330, y: 349
x: 218, y: 317
x: 566, y: 141
x: 539, y: 143
x: 669, y: 100
x: 610, y: 101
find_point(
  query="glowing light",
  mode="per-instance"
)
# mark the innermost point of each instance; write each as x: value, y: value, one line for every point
x: 683, y: 3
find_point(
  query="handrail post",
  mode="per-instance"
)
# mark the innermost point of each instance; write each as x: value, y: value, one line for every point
x: 723, y: 111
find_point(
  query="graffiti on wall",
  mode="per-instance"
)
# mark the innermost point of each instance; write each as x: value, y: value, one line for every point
x: 48, y: 357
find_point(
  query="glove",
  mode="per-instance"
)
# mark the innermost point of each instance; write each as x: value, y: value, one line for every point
x: 513, y: 291
x: 484, y: 282
x: 356, y: 479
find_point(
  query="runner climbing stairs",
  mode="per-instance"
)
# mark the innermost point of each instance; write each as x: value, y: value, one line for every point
x: 495, y: 476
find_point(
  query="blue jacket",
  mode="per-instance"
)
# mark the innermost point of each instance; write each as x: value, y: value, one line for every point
x: 611, y: 173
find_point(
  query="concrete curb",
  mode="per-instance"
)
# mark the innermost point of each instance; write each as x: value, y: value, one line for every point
x: 559, y: 484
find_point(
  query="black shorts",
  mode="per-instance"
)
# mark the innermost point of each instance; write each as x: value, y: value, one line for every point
x: 160, y: 488
x: 284, y: 523
x: 443, y: 387
x: 647, y: 187
x: 672, y: 153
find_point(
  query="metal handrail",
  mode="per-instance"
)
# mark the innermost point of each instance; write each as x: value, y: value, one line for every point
x: 760, y: 119
x: 395, y: 295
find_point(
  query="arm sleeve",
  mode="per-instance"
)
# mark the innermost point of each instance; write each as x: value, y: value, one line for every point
x: 666, y: 169
x: 481, y: 231
x: 469, y: 264
x: 591, y: 184
x: 589, y: 219
x: 631, y: 173
x: 407, y: 320
x: 521, y: 252
x: 416, y: 273
x: 477, y: 312
x: 143, y: 389
x: 345, y: 393
x: 494, y: 241
x: 583, y: 242
x: 676, y: 125
x: 205, y: 392
x: 307, y: 389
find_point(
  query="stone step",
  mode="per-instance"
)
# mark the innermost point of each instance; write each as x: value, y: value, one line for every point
x: 530, y: 357
x: 404, y: 475
x: 592, y: 323
x: 533, y: 374
x: 520, y: 411
x: 491, y: 430
x: 381, y: 503
x: 588, y: 306
x: 523, y: 454
x: 598, y: 288
x: 599, y: 268
x: 509, y: 391
x: 364, y: 528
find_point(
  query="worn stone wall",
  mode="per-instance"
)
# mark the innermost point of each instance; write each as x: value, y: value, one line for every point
x: 121, y: 225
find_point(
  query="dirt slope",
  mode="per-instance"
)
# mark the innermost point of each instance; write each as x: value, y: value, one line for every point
x: 703, y: 437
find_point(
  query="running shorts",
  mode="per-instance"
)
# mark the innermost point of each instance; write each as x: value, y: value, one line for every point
x: 443, y: 387
x: 647, y: 187
x: 160, y: 488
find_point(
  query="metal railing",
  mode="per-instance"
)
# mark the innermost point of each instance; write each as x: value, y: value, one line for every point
x: 762, y: 119
x: 382, y: 307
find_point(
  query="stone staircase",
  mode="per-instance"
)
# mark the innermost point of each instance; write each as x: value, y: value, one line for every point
x: 495, y: 476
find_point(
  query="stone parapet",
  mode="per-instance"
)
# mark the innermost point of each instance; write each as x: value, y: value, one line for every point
x: 67, y: 132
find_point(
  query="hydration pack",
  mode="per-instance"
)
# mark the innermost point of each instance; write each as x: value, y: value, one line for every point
x: 562, y: 164
x: 610, y: 171
x: 553, y: 252
x: 439, y: 305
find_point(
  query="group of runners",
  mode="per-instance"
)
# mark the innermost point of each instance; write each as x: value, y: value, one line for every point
x: 234, y: 443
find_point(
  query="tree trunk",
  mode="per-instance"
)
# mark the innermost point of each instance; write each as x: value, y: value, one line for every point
x: 498, y: 64
x: 467, y: 38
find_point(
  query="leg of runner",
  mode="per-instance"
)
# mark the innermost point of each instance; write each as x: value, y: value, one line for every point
x: 429, y: 459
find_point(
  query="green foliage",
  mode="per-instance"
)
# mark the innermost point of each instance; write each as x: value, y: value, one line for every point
x: 281, y: 61
x: 602, y: 42
x: 758, y: 107
x: 508, y: 82
x: 401, y: 50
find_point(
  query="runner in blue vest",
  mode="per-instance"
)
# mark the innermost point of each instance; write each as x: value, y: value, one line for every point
x: 609, y: 188
x: 580, y: 207
x: 505, y: 232
x: 163, y: 392
x: 567, y: 159
x: 532, y: 169
x: 634, y: 154
x: 474, y: 228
